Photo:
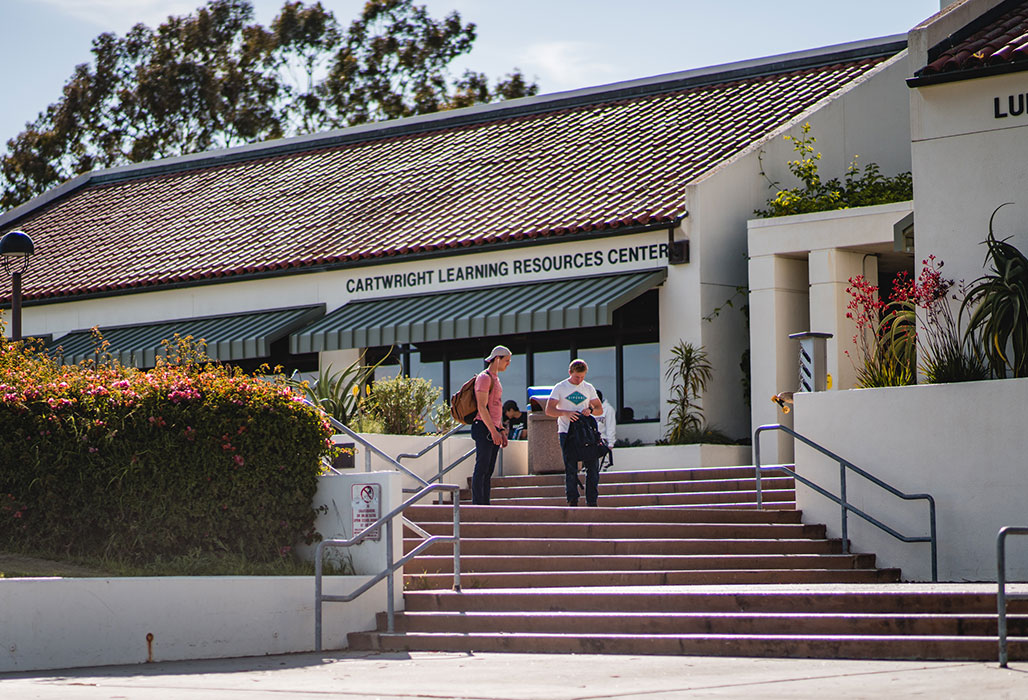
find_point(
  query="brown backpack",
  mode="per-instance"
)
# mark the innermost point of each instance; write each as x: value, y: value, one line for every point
x: 464, y: 404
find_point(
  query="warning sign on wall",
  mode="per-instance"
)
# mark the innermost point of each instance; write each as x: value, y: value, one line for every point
x: 366, y: 502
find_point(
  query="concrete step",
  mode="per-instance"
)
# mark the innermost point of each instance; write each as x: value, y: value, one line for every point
x: 423, y: 580
x: 700, y: 474
x: 564, y: 547
x: 880, y: 599
x: 562, y: 513
x: 623, y: 530
x: 636, y: 562
x: 954, y: 648
x: 609, y: 499
x: 664, y: 623
x: 608, y: 488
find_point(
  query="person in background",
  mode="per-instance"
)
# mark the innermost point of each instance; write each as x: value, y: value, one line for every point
x: 570, y: 399
x: 607, y: 424
x: 487, y: 429
x: 515, y: 421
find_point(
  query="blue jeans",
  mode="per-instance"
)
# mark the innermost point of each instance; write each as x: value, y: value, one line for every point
x: 485, y: 461
x: 592, y: 477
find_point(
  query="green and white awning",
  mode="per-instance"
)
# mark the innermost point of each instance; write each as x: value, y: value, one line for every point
x: 470, y: 313
x: 228, y: 337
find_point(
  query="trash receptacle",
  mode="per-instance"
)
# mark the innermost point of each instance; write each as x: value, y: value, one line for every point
x: 544, y: 455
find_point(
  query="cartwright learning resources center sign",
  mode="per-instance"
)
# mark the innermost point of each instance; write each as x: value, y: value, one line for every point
x: 597, y: 261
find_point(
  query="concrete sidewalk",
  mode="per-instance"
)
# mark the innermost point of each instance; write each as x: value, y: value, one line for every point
x: 522, y: 677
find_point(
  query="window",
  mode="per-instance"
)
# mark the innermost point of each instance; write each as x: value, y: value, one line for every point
x: 641, y: 383
x: 624, y: 362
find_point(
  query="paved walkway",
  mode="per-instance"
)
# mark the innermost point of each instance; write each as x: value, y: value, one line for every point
x: 521, y: 677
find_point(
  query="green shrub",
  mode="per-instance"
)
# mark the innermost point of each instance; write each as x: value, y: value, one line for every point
x: 858, y: 189
x: 190, y: 457
x: 402, y: 404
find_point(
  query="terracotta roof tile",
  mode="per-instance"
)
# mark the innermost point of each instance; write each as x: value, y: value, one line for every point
x: 998, y: 38
x: 586, y: 167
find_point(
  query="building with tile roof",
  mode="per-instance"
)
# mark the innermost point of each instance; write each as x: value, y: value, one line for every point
x: 607, y: 223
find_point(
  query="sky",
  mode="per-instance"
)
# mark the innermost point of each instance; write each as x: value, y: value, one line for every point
x: 561, y: 44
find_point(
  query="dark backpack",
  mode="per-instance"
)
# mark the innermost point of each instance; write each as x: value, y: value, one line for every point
x: 464, y: 404
x: 583, y: 443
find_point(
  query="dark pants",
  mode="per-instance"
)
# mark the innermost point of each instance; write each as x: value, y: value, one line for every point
x: 485, y: 461
x: 592, y: 477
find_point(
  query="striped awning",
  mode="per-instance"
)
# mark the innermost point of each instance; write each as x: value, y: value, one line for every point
x: 470, y: 313
x: 228, y: 337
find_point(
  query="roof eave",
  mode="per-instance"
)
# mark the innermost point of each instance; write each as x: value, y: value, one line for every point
x: 917, y: 81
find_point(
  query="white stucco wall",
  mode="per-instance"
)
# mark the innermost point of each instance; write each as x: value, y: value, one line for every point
x: 799, y: 271
x: 48, y: 623
x: 870, y: 120
x: 966, y: 163
x: 330, y: 288
x: 964, y: 444
x: 57, y: 623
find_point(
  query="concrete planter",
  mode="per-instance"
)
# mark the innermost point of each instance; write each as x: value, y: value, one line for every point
x: 649, y: 457
x: 962, y: 443
x: 66, y: 623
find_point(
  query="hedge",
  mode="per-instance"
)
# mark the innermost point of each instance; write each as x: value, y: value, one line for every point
x: 191, y: 457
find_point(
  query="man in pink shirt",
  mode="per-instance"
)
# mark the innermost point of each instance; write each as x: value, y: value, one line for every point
x: 487, y: 429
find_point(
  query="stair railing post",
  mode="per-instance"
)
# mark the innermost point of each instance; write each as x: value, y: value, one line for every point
x: 456, y: 542
x: 318, y: 554
x: 1001, y: 594
x: 845, y: 509
x: 756, y: 464
x: 367, y: 459
x: 390, y: 580
x: 439, y: 496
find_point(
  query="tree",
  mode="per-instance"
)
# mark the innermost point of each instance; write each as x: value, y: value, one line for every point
x: 215, y: 79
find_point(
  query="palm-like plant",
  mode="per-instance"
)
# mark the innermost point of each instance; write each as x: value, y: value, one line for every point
x: 998, y: 305
x: 689, y: 372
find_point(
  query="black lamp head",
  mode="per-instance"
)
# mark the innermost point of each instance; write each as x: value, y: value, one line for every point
x: 14, y: 246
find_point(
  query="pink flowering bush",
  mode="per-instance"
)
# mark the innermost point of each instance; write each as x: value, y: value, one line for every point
x: 105, y: 460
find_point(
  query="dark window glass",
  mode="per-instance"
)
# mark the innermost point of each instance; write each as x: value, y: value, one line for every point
x: 463, y: 370
x: 550, y: 367
x: 602, y: 371
x: 642, y: 383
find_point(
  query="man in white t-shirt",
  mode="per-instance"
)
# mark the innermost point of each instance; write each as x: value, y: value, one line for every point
x: 570, y: 399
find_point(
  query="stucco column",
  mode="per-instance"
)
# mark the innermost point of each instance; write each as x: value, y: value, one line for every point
x: 779, y: 305
x: 830, y: 270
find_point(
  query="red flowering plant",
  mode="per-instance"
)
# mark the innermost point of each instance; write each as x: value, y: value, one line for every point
x: 190, y: 457
x: 915, y: 324
x: 885, y: 336
x: 944, y: 353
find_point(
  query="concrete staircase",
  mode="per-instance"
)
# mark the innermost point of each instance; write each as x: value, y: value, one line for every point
x: 672, y: 562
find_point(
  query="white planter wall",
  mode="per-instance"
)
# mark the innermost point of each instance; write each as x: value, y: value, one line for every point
x: 965, y: 444
x: 649, y: 457
x: 67, y: 623
x: 64, y: 623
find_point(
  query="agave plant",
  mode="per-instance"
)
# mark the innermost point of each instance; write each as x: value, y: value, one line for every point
x: 998, y: 307
x: 334, y: 391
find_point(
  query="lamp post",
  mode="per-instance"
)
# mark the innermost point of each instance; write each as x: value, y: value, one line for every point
x: 15, y: 249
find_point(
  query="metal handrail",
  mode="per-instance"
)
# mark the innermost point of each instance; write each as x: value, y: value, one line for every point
x: 370, y: 447
x: 1001, y: 583
x: 442, y: 471
x: 845, y: 464
x: 391, y: 566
